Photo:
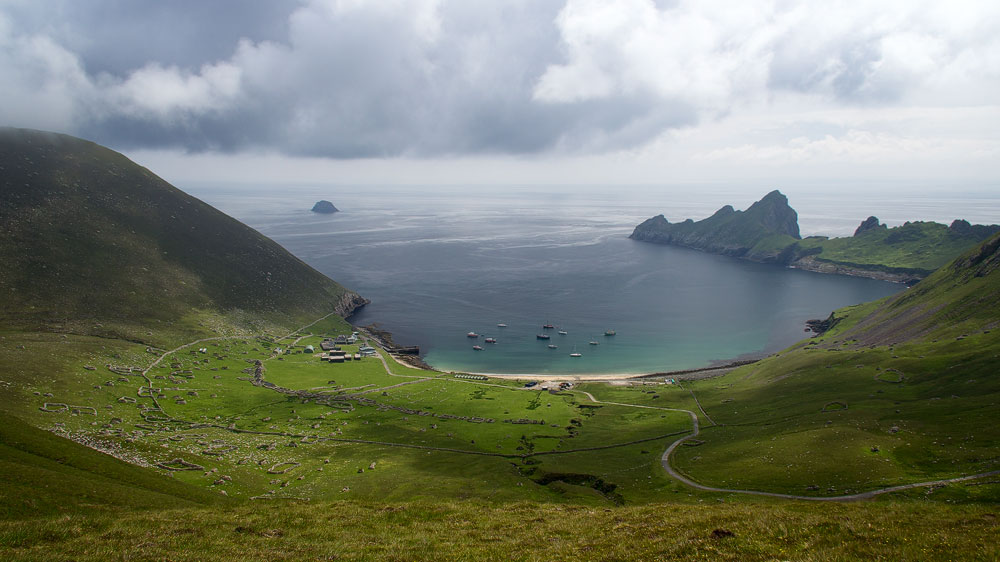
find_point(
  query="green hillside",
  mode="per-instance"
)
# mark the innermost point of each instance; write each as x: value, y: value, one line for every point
x: 768, y: 232
x: 42, y: 473
x: 898, y: 390
x: 242, y: 442
x: 88, y: 237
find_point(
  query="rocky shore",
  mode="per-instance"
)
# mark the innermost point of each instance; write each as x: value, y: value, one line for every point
x: 350, y: 302
x: 768, y: 232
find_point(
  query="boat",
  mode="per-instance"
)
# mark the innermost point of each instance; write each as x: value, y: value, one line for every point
x: 490, y: 340
x: 472, y: 335
x: 595, y: 342
x: 609, y: 333
x: 501, y: 325
x: 477, y: 347
x: 543, y: 336
x: 553, y: 346
x: 563, y: 332
x: 575, y: 353
x: 547, y: 326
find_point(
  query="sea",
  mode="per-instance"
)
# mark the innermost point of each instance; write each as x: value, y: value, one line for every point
x: 439, y: 262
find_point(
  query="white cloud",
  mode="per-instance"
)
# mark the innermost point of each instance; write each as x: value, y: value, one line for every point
x: 167, y: 93
x: 685, y: 85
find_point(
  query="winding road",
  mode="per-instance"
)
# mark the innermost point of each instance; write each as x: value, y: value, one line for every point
x: 664, y: 459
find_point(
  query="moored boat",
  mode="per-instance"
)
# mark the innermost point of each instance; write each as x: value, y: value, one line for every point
x: 542, y: 336
x: 477, y: 347
x: 472, y: 335
x: 501, y: 325
x: 490, y: 340
x: 563, y: 332
x: 552, y: 346
x: 609, y: 333
x: 547, y: 326
x: 595, y: 342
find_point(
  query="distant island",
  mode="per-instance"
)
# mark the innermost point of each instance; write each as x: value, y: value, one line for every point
x: 324, y: 207
x: 768, y: 232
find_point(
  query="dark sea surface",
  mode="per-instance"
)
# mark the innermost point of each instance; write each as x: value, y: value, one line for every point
x: 438, y: 263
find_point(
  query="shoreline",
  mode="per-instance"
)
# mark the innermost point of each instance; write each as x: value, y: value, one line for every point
x: 716, y: 368
x: 683, y: 374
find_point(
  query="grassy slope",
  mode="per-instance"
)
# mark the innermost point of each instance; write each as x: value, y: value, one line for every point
x: 44, y: 474
x: 916, y: 371
x: 450, y: 530
x: 88, y: 237
x: 919, y: 247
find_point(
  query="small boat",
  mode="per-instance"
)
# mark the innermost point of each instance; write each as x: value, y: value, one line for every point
x: 595, y: 342
x: 543, y: 336
x: 563, y: 332
x: 477, y: 347
x: 472, y: 335
x: 575, y: 353
x: 501, y: 325
x: 490, y: 340
x: 547, y: 327
x: 609, y: 333
x: 553, y: 346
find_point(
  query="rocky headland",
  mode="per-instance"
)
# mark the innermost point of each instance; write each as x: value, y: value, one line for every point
x: 768, y: 232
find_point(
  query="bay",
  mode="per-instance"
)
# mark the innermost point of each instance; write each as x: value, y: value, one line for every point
x: 440, y: 262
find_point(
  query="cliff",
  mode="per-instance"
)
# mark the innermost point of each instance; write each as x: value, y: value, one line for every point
x: 768, y: 232
x: 760, y: 233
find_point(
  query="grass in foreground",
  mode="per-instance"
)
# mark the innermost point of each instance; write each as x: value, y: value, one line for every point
x: 449, y: 530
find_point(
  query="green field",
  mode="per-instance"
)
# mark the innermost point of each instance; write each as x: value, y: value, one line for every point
x: 391, y: 449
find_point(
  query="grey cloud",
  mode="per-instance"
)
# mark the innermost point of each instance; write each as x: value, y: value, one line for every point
x: 117, y: 36
x: 388, y: 79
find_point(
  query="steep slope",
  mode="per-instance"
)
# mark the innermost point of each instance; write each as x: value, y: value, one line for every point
x: 896, y: 391
x: 768, y: 232
x: 86, y: 234
x: 43, y: 473
x: 961, y: 297
x: 759, y: 233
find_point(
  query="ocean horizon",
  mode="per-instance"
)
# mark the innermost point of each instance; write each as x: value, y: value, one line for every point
x: 440, y: 263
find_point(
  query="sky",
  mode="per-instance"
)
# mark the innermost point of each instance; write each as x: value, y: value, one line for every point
x: 465, y: 92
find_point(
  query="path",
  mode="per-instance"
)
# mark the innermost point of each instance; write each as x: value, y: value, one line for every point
x: 665, y: 461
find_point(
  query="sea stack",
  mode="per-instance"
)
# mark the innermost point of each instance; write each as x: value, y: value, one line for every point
x: 324, y: 207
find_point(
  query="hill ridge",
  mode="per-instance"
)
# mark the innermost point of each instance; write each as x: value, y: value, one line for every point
x: 768, y: 232
x: 86, y: 233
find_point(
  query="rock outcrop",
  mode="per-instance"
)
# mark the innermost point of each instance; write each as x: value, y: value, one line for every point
x: 768, y: 232
x: 349, y: 302
x: 870, y: 223
x: 324, y: 207
x: 746, y: 234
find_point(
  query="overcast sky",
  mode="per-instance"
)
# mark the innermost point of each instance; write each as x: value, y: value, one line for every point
x: 533, y: 91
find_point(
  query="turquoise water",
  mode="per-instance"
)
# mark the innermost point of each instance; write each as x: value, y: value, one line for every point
x: 439, y: 264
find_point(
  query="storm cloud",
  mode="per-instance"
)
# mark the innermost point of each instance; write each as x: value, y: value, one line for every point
x: 425, y: 78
